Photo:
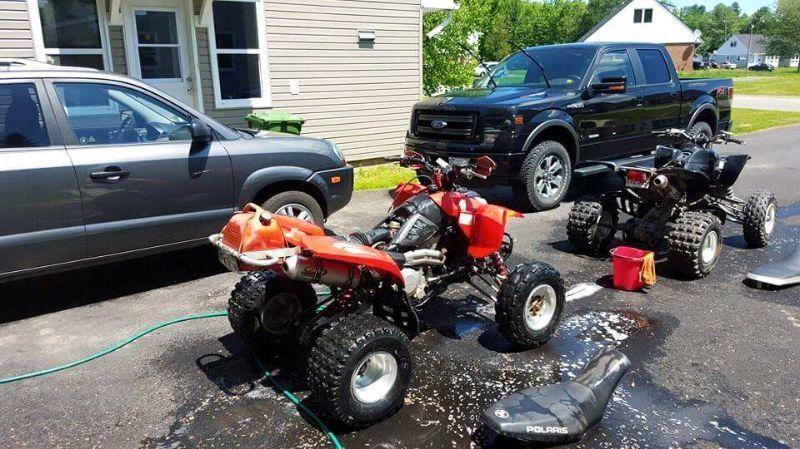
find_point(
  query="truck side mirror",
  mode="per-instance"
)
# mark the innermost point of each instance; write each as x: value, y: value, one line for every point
x: 610, y: 85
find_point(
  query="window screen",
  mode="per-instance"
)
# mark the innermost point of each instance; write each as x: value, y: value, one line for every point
x: 655, y: 67
x: 71, y: 31
x: 21, y: 120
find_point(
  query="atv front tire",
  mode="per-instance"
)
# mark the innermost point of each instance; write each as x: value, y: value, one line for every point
x: 359, y: 370
x: 264, y: 307
x: 759, y: 218
x: 695, y: 243
x: 529, y: 305
x: 591, y: 226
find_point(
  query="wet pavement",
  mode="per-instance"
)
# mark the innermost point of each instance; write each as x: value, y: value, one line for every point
x: 714, y: 361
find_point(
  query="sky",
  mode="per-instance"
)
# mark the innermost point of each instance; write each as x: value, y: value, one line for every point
x: 748, y: 6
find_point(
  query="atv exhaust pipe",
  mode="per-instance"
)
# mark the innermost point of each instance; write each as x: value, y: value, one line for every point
x: 563, y: 412
x: 662, y: 184
x: 334, y: 274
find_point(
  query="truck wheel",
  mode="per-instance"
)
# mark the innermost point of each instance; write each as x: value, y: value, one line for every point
x: 264, y: 306
x: 530, y: 303
x: 359, y: 370
x: 296, y: 204
x: 544, y: 177
x: 591, y: 227
x: 702, y: 128
x: 759, y: 218
x: 695, y: 243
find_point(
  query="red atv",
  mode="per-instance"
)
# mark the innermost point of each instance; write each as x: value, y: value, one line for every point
x: 356, y: 338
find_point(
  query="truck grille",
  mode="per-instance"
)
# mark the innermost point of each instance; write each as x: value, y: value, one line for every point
x: 455, y: 126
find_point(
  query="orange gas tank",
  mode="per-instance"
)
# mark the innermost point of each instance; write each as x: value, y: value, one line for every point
x: 247, y: 231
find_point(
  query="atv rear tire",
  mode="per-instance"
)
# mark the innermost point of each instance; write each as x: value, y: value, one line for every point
x: 695, y: 243
x: 759, y: 218
x: 591, y: 226
x: 544, y: 177
x: 529, y: 305
x: 359, y: 370
x: 264, y: 307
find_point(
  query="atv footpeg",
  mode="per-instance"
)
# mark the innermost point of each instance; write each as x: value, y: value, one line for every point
x: 563, y: 412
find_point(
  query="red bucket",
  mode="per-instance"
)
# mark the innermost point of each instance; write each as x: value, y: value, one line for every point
x: 628, y: 264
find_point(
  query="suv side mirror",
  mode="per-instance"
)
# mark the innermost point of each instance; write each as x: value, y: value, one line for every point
x: 201, y: 132
x: 610, y: 85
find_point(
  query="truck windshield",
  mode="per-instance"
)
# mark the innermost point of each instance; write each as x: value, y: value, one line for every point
x: 564, y: 67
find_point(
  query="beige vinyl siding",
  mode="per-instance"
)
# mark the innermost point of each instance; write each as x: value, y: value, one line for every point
x: 359, y: 98
x: 16, y: 40
x: 117, y: 43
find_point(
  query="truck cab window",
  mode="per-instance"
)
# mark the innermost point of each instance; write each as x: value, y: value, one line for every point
x: 614, y: 64
x: 654, y: 65
x: 21, y: 120
x: 105, y: 114
x: 565, y: 69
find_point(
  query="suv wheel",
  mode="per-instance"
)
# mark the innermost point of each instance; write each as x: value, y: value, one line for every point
x: 545, y: 176
x: 295, y: 204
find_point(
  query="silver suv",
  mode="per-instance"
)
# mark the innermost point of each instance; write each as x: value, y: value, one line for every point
x: 96, y: 166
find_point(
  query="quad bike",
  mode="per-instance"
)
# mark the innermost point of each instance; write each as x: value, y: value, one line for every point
x: 355, y: 340
x: 682, y: 202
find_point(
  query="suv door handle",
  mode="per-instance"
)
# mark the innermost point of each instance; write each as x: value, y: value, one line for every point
x: 110, y: 174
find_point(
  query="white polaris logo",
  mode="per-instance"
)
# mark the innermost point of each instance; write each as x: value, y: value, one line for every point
x: 500, y: 413
x: 540, y: 429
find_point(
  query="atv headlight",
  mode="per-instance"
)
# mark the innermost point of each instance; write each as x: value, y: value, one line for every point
x: 338, y: 153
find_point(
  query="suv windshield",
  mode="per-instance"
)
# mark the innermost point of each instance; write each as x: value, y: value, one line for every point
x: 564, y: 67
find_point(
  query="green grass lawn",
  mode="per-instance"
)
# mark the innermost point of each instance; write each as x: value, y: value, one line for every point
x: 784, y: 81
x: 749, y: 120
x: 383, y: 176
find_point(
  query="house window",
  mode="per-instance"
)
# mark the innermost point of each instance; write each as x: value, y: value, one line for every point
x: 733, y: 43
x: 238, y: 54
x: 72, y: 33
x: 648, y: 15
x: 637, y: 16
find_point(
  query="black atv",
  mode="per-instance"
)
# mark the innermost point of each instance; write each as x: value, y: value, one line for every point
x: 681, y: 203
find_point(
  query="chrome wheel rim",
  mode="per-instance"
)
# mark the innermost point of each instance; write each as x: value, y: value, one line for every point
x: 277, y: 315
x: 708, y: 250
x: 548, y: 178
x: 769, y: 219
x: 296, y: 210
x: 540, y: 307
x: 374, y: 377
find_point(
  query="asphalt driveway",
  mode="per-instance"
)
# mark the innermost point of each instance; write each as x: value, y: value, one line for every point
x: 714, y: 362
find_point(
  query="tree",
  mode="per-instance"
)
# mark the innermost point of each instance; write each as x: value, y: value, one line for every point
x: 697, y: 18
x: 784, y: 39
x: 725, y: 21
x: 762, y: 21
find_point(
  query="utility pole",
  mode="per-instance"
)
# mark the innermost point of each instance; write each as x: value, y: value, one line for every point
x: 750, y: 41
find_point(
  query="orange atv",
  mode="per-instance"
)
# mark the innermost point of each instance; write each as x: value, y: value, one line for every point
x: 359, y: 366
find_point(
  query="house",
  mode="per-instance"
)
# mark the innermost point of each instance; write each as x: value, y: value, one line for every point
x: 737, y: 48
x: 351, y: 68
x: 647, y: 21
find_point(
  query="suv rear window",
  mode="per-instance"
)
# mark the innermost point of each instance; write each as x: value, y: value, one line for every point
x: 655, y: 67
x: 21, y: 120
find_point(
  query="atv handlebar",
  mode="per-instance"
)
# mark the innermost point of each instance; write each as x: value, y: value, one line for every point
x: 699, y: 139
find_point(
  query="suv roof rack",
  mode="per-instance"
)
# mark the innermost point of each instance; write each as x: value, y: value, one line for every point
x: 19, y: 64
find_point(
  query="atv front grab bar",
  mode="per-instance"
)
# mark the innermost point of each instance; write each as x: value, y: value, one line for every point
x: 266, y: 258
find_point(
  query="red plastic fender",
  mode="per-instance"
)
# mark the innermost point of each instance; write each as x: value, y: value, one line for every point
x: 324, y: 247
x: 405, y: 191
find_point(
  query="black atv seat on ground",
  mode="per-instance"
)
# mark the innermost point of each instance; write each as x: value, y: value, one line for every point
x: 563, y: 412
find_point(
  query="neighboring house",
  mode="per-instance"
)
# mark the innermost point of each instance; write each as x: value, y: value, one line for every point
x: 351, y: 68
x: 737, y: 48
x: 647, y: 21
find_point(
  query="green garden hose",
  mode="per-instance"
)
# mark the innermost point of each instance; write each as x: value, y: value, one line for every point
x: 331, y: 436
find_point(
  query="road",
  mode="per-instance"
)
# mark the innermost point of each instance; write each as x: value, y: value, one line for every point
x: 714, y: 362
x: 788, y: 104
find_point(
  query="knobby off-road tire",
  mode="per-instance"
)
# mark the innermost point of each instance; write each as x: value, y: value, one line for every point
x: 759, y: 218
x: 693, y: 251
x: 265, y: 294
x: 359, y: 370
x: 301, y: 201
x: 591, y: 226
x: 529, y: 305
x: 527, y: 193
x: 701, y: 128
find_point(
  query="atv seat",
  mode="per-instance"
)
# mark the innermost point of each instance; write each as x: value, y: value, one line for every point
x: 702, y: 161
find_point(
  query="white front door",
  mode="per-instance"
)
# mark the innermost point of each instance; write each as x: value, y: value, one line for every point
x: 156, y: 46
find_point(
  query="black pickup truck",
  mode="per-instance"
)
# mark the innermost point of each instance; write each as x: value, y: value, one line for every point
x: 548, y: 111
